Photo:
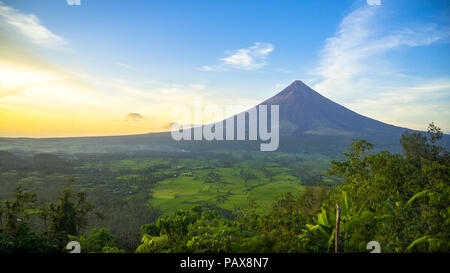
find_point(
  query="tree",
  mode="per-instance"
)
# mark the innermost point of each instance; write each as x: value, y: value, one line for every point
x: 401, y: 200
x: 99, y: 240
x: 16, y: 210
x: 16, y: 235
x: 69, y: 216
x: 63, y: 218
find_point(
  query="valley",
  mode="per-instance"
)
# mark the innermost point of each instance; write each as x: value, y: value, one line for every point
x: 157, y: 183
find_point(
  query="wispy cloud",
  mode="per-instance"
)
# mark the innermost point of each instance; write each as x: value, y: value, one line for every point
x: 73, y: 2
x: 29, y: 26
x: 354, y: 70
x: 409, y: 106
x: 250, y: 58
x: 127, y: 66
x: 133, y: 117
x: 374, y: 2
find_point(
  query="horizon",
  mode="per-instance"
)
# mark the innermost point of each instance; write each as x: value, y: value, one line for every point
x: 63, y: 75
x: 193, y: 126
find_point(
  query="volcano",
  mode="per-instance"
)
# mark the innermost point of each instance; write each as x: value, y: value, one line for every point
x: 310, y: 121
x: 304, y: 111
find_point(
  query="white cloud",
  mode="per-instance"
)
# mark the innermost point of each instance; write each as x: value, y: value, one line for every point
x: 251, y: 58
x: 73, y: 2
x: 373, y: 2
x: 212, y: 68
x: 411, y: 106
x: 29, y: 26
x: 127, y: 66
x: 353, y: 69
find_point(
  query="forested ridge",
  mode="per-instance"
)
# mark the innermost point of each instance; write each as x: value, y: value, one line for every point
x: 399, y: 200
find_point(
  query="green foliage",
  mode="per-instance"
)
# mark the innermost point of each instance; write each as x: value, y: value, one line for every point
x: 187, y: 231
x: 99, y: 240
x: 16, y: 234
x: 402, y: 201
x: 19, y: 232
x: 24, y: 240
x: 200, y: 230
x: 399, y: 200
x: 109, y: 249
x: 69, y: 216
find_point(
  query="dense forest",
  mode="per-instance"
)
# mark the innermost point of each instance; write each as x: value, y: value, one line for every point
x: 399, y: 200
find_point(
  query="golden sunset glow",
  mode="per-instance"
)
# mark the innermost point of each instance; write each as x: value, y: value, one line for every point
x: 41, y: 100
x: 44, y: 102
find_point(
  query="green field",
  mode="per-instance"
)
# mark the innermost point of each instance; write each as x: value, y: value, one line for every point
x: 226, y: 183
x: 229, y: 191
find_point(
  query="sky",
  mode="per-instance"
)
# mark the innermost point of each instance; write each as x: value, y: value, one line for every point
x: 110, y: 67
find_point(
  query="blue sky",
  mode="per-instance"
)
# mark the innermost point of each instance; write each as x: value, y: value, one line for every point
x: 387, y: 59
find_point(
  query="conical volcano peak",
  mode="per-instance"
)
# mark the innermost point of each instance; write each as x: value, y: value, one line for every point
x: 295, y: 91
x: 305, y: 111
x: 297, y: 87
x: 297, y: 83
